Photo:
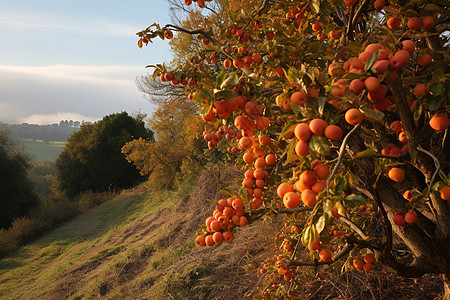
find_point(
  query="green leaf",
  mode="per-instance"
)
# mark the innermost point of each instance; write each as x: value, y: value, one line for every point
x: 354, y: 200
x: 340, y: 184
x: 438, y: 186
x: 372, y: 59
x: 206, y: 109
x: 287, y: 129
x: 203, y: 95
x: 321, y: 104
x: 290, y: 150
x: 310, y: 234
x: 244, y: 194
x: 321, y: 223
x: 418, y: 109
x: 351, y: 76
x: 367, y: 153
x: 224, y: 94
x: 232, y: 80
x: 426, y: 193
x: 319, y: 144
x: 291, y: 76
x: 433, y: 103
x: 436, y: 88
x: 373, y: 114
x: 220, y: 78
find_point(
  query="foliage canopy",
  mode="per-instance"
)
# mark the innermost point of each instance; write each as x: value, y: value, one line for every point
x: 16, y: 190
x: 92, y: 159
x: 350, y: 100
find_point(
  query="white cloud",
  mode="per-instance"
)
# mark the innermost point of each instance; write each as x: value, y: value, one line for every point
x: 43, y: 119
x: 32, y: 93
x: 22, y: 21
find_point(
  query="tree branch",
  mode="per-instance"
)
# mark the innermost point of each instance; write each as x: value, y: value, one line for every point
x: 354, y: 227
x: 293, y: 210
x: 341, y: 154
x: 315, y: 263
x: 202, y: 32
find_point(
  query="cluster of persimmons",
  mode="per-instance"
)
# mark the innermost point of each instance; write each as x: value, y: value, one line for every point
x: 283, y: 114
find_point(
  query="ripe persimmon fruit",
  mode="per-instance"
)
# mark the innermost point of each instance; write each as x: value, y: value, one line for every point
x: 302, y: 132
x: 393, y: 23
x: 271, y: 159
x: 299, y: 98
x: 358, y: 264
x: 228, y: 236
x: 353, y: 116
x: 325, y: 255
x: 372, y: 84
x: 439, y: 122
x: 414, y: 23
x: 445, y: 193
x: 284, y: 188
x: 200, y: 241
x: 369, y: 258
x: 379, y: 4
x: 356, y: 86
x: 309, y: 198
x: 317, y: 126
x: 209, y: 240
x: 398, y: 220
x: 301, y: 148
x: 322, y: 170
x: 333, y: 132
x: 411, y: 217
x: 315, y: 245
x: 424, y: 59
x: 396, y: 174
x: 291, y: 200
x: 428, y: 22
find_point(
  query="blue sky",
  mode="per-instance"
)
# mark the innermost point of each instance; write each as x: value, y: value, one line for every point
x: 75, y: 59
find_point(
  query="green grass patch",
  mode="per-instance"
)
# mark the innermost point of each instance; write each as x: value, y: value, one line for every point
x: 83, y: 242
x: 40, y: 150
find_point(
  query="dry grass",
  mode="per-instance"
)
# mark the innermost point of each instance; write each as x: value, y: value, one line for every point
x: 141, y: 246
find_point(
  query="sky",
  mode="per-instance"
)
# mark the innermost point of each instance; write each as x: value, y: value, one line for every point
x: 75, y: 60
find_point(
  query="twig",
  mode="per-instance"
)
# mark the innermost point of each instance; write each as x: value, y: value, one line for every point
x: 436, y: 163
x: 347, y: 248
x: 294, y: 210
x: 341, y: 154
x: 353, y: 226
x: 261, y: 8
x: 359, y: 12
x: 349, y: 32
x: 202, y: 32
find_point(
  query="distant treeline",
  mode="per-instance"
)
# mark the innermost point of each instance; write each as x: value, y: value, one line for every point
x: 55, y: 132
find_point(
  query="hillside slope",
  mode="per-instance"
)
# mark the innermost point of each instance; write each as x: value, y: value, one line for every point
x: 140, y: 245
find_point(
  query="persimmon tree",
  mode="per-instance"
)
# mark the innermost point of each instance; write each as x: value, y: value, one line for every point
x: 337, y: 112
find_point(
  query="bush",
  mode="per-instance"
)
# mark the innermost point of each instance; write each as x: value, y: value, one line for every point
x: 89, y: 199
x: 22, y: 230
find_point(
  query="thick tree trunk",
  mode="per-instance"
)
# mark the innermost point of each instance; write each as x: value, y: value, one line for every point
x: 429, y: 248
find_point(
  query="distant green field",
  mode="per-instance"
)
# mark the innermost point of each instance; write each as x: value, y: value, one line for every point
x: 43, y: 151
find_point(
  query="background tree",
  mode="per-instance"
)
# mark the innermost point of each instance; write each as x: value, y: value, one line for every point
x: 16, y: 190
x: 92, y: 159
x: 357, y: 97
x: 178, y: 149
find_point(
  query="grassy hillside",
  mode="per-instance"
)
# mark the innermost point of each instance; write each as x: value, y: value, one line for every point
x: 140, y: 245
x: 41, y: 151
